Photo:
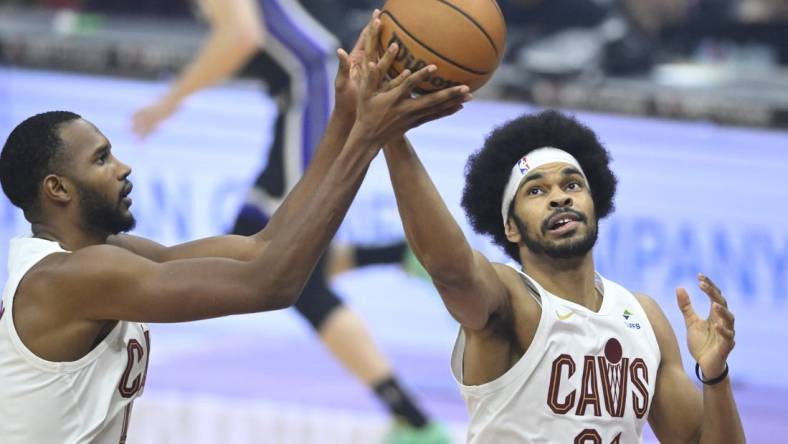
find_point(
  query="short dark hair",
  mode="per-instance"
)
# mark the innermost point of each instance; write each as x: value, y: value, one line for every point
x: 30, y: 154
x: 488, y: 170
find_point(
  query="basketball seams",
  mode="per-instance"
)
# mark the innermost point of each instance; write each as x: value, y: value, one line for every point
x: 428, y: 48
x: 498, y: 8
x: 475, y: 23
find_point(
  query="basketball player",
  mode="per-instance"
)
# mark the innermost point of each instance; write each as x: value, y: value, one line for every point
x: 295, y: 65
x: 550, y: 351
x: 73, y: 346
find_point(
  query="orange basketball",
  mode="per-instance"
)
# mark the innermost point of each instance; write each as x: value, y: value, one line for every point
x: 465, y: 39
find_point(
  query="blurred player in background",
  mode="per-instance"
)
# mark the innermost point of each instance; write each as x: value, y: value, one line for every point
x: 549, y: 350
x: 296, y: 65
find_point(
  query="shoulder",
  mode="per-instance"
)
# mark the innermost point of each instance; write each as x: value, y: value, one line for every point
x: 656, y: 317
x: 651, y: 307
x: 507, y: 274
x: 648, y: 303
x: 511, y: 279
x: 139, y: 245
x: 521, y: 305
x: 94, y: 262
x: 59, y: 281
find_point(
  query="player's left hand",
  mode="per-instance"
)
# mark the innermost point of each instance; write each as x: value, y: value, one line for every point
x: 710, y: 340
x: 147, y: 119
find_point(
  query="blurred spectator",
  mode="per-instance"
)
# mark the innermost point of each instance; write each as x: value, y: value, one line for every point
x: 562, y: 38
x: 164, y: 8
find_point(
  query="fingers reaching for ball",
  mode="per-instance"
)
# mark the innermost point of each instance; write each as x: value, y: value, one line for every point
x: 389, y: 110
x: 464, y: 39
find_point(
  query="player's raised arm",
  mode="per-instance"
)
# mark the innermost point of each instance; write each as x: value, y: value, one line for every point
x: 468, y: 283
x: 347, y: 85
x: 680, y: 413
x: 188, y: 289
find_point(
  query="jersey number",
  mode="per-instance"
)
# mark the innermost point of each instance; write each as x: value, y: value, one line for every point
x: 133, y: 379
x: 591, y: 436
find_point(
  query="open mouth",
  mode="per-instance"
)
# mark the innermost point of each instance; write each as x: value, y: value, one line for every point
x: 124, y: 193
x: 564, y: 222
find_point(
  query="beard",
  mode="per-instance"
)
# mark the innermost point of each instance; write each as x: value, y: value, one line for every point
x: 99, y: 214
x: 572, y: 249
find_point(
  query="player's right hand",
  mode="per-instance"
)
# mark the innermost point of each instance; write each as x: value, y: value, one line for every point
x: 388, y: 109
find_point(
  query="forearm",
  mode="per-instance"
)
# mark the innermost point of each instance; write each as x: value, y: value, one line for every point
x: 226, y: 51
x: 327, y: 151
x: 297, y: 244
x: 433, y: 234
x: 238, y: 247
x: 721, y: 422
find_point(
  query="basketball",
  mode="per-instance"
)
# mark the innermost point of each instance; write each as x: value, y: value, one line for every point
x: 465, y: 39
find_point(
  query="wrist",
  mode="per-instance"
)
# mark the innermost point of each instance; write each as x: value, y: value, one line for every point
x: 711, y: 370
x: 365, y: 131
x: 343, y: 115
x: 715, y: 376
x: 171, y: 100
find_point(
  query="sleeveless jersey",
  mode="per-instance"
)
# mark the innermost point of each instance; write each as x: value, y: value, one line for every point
x: 587, y: 377
x: 84, y: 401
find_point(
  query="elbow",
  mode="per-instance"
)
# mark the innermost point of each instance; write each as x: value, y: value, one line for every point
x: 281, y: 301
x: 268, y: 295
x: 287, y: 298
x: 282, y: 296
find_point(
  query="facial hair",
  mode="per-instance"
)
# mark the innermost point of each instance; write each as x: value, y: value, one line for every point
x: 99, y: 214
x: 564, y: 250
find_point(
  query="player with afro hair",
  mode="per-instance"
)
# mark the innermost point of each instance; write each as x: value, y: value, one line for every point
x: 487, y: 171
x: 547, y: 349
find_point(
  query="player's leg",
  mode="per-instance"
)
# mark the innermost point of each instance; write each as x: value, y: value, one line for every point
x: 344, y: 333
x: 305, y: 99
x: 345, y: 257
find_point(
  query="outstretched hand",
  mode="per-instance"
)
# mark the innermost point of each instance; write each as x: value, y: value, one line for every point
x: 387, y: 109
x: 710, y: 340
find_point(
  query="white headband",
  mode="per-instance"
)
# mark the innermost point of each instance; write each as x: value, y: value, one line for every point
x: 530, y: 162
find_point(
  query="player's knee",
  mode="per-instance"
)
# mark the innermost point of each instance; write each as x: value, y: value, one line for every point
x: 317, y: 303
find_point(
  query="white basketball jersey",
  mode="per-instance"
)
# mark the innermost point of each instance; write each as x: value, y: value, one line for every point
x: 84, y: 401
x: 586, y: 378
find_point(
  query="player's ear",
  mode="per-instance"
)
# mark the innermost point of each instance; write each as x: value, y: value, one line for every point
x: 56, y: 188
x: 512, y: 232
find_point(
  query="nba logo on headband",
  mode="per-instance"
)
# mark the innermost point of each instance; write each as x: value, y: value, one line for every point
x: 523, y: 165
x: 538, y: 157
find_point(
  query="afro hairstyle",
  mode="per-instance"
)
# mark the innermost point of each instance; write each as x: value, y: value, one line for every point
x: 488, y: 170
